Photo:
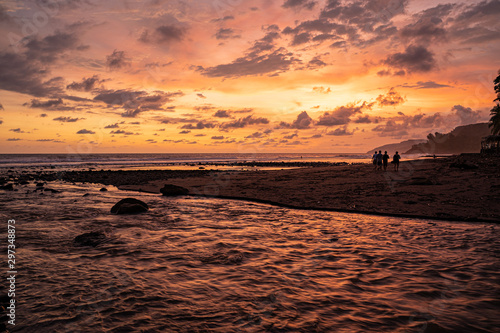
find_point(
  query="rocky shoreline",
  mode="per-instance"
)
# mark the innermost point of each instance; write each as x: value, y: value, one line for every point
x: 459, y: 188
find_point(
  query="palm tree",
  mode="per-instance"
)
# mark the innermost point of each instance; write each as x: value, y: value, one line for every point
x: 494, y: 122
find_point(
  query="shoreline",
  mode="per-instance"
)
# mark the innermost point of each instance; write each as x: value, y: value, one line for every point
x: 459, y: 188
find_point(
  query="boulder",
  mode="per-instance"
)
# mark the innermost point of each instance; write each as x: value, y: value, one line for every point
x: 7, y: 187
x: 129, y: 206
x: 173, y: 190
x: 103, y: 189
x: 40, y: 184
x: 93, y: 238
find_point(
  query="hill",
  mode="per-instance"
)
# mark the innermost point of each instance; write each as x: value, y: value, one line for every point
x: 463, y: 139
x: 400, y: 147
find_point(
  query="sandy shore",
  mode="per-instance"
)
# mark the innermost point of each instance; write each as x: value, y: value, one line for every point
x: 463, y: 188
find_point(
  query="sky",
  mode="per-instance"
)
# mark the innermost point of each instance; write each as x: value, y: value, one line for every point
x: 322, y: 76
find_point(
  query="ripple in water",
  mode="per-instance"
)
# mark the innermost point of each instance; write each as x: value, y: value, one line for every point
x: 208, y: 265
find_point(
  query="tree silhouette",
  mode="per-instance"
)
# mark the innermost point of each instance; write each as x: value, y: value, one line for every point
x: 494, y: 122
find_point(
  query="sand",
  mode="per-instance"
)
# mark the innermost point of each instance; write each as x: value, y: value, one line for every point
x: 460, y: 188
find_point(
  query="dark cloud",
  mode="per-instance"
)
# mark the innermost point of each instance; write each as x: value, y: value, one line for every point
x: 219, y: 137
x: 199, y: 125
x: 201, y: 96
x: 466, y: 115
x: 50, y: 48
x: 392, y: 98
x: 245, y: 121
x: 226, y: 33
x: 164, y: 34
x: 225, y: 18
x: 14, y: 139
x: 367, y: 120
x: 222, y: 114
x: 17, y: 130
x: 1, y: 107
x: 301, y: 38
x: 316, y: 62
x: 299, y: 4
x: 392, y: 129
x: 341, y: 131
x: 413, y: 59
x: 424, y: 31
x: 484, y: 8
x: 87, y: 84
x: 115, y: 125
x: 341, y: 115
x: 399, y: 126
x: 85, y: 131
x: 122, y: 132
x: 67, y: 119
x: 116, y: 60
x: 273, y: 63
x: 19, y: 74
x: 426, y: 85
x: 135, y: 102
x: 303, y: 121
x: 49, y: 104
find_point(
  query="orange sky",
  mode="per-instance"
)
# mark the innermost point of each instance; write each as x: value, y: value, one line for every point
x: 238, y: 76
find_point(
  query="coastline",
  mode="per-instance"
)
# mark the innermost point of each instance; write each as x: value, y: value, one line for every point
x: 457, y: 188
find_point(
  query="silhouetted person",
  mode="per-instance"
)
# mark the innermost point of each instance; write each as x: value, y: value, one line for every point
x: 379, y: 160
x: 385, y: 159
x: 395, y: 160
x: 374, y: 158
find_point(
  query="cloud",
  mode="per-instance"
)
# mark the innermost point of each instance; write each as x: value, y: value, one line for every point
x: 22, y: 75
x: 50, y: 48
x: 400, y: 126
x: 226, y: 33
x: 299, y: 4
x: 244, y: 122
x: 201, y: 96
x: 14, y: 139
x: 466, y: 115
x: 85, y: 131
x: 116, y: 60
x: 367, y: 120
x: 413, y: 59
x: 426, y: 85
x: 222, y: 114
x: 49, y: 104
x: 87, y: 84
x: 199, y: 125
x: 392, y: 98
x: 67, y: 119
x: 273, y: 63
x: 303, y: 121
x: 392, y: 129
x: 1, y: 107
x: 217, y: 137
x: 341, y: 115
x: 121, y: 132
x: 341, y: 131
x: 164, y: 34
x: 17, y: 130
x: 322, y: 90
x: 115, y: 125
x: 1, y: 122
x: 225, y: 18
x: 135, y: 102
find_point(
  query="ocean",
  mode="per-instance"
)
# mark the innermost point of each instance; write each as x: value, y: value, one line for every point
x: 193, y: 264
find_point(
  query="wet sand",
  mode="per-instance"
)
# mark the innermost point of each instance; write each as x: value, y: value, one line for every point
x: 461, y: 188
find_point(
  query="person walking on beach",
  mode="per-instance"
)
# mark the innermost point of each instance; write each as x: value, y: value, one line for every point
x: 395, y: 160
x: 385, y: 159
x: 374, y: 158
x: 379, y: 160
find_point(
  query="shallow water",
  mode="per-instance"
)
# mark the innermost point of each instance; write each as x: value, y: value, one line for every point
x: 209, y: 265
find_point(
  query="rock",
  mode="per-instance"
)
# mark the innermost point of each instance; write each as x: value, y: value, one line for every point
x: 464, y: 165
x: 7, y: 187
x: 173, y: 190
x: 103, y: 189
x: 86, y: 195
x: 51, y: 190
x: 24, y: 182
x: 39, y: 184
x: 129, y: 206
x: 93, y: 238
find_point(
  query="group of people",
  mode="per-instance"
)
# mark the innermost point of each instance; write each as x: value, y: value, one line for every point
x: 381, y: 161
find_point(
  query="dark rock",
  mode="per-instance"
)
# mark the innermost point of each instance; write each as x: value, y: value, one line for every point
x: 129, y: 206
x: 103, y: 189
x: 173, y: 190
x: 51, y: 190
x: 86, y: 195
x: 39, y: 184
x: 7, y: 187
x: 93, y: 238
x: 24, y: 182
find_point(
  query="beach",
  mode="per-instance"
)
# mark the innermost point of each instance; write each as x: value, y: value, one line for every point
x: 458, y: 188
